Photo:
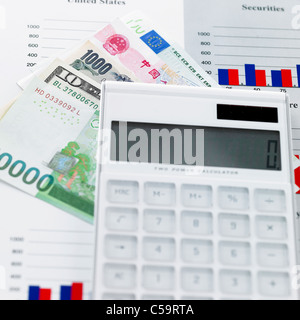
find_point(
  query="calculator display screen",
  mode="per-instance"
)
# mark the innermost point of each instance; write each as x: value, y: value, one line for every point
x: 195, y: 146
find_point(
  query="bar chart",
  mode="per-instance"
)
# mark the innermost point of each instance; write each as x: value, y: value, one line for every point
x: 47, y: 261
x: 67, y: 293
x: 258, y: 77
x: 240, y: 54
x: 58, y: 264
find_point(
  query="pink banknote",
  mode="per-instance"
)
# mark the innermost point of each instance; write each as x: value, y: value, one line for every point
x: 147, y: 69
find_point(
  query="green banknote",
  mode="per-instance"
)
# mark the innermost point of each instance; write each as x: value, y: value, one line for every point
x: 48, y: 140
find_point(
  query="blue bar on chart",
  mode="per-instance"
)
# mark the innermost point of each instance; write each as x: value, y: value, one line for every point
x: 223, y: 77
x: 276, y: 78
x: 34, y: 293
x: 65, y: 293
x: 250, y: 75
x: 298, y: 74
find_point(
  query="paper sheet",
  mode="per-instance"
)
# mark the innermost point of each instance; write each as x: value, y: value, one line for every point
x: 41, y: 245
x: 253, y: 46
x: 50, y: 27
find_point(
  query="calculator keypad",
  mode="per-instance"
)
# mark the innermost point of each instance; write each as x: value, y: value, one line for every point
x: 191, y: 241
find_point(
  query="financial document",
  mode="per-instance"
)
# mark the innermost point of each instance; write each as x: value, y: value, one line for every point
x: 50, y: 27
x: 46, y: 252
x: 42, y: 246
x: 251, y: 45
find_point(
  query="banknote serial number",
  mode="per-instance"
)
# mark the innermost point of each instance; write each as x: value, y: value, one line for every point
x: 18, y: 169
x: 76, y: 95
x: 57, y: 101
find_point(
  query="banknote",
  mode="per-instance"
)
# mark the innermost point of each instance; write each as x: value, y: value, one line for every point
x: 48, y: 140
x: 170, y: 52
x: 96, y: 63
x: 90, y: 60
x: 125, y: 48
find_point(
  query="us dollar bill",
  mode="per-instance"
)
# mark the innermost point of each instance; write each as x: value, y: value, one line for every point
x: 48, y: 140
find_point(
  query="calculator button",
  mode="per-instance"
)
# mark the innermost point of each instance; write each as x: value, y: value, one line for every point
x: 160, y: 194
x: 234, y: 198
x: 272, y: 255
x: 197, y: 280
x: 123, y: 192
x: 159, y: 221
x: 235, y: 253
x: 273, y: 228
x: 196, y: 223
x: 274, y: 284
x: 197, y: 251
x: 158, y: 278
x: 235, y: 282
x: 236, y: 226
x: 111, y: 297
x: 159, y: 249
x: 120, y: 276
x: 196, y: 196
x: 270, y: 200
x: 121, y: 219
x: 120, y: 247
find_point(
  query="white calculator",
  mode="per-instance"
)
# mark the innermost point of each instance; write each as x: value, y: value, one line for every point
x: 195, y: 197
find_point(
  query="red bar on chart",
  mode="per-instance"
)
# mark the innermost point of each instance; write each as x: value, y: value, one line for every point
x: 286, y: 78
x: 45, y: 294
x: 233, y: 77
x: 261, y: 80
x: 77, y: 291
